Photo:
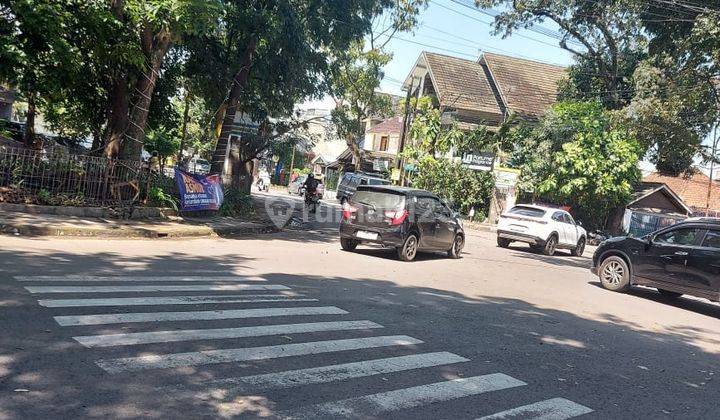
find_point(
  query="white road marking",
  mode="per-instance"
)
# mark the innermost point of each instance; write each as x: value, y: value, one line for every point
x: 175, y: 300
x: 143, y: 288
x: 553, y: 409
x: 164, y: 361
x: 406, y: 398
x: 129, y: 339
x: 72, y: 320
x: 331, y: 373
x: 133, y: 278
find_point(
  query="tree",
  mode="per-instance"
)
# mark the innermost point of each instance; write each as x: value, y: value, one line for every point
x: 277, y: 54
x: 155, y: 25
x: 432, y: 144
x: 607, y: 41
x: 356, y: 77
x: 670, y: 115
x: 37, y: 49
x: 595, y: 169
x: 356, y: 74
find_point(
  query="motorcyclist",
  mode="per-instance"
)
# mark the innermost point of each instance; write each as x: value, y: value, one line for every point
x: 310, y: 184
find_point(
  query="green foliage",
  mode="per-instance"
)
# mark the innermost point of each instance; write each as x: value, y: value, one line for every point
x: 463, y: 188
x: 431, y: 143
x: 163, y: 142
x: 158, y: 197
x: 236, y: 203
x: 595, y: 168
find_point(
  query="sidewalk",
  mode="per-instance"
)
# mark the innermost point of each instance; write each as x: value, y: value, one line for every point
x: 27, y: 224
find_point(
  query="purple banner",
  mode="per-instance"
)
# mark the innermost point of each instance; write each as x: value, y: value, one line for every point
x: 199, y: 192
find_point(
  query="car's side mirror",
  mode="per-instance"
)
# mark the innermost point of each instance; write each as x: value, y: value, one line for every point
x: 579, y: 223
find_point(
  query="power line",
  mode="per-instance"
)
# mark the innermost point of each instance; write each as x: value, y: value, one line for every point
x: 490, y: 24
x: 541, y: 30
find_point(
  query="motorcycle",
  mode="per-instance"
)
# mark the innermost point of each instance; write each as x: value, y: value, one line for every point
x: 263, y: 183
x: 312, y: 199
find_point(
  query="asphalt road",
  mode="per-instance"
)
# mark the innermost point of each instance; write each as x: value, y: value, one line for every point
x: 302, y: 329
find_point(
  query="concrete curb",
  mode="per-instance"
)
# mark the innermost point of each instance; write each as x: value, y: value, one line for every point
x: 124, y: 231
x: 101, y: 212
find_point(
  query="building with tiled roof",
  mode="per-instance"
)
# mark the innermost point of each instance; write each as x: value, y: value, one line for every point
x: 693, y: 189
x: 488, y: 90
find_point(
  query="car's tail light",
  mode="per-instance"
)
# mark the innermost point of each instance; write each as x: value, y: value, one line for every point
x: 396, y: 217
x: 348, y: 212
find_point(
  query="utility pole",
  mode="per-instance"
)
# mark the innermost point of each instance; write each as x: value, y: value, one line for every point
x: 186, y: 114
x: 292, y: 164
x: 712, y: 167
x: 401, y: 146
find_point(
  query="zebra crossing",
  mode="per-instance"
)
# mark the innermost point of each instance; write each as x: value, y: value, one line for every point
x: 280, y: 301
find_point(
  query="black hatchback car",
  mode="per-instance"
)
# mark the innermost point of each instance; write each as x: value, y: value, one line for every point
x: 681, y: 259
x: 407, y: 219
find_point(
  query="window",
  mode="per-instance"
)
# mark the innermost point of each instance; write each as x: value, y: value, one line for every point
x: 527, y: 211
x: 384, y: 143
x: 685, y: 236
x: 558, y: 216
x: 569, y: 219
x: 712, y: 239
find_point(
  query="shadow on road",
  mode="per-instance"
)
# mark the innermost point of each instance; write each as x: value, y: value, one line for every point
x: 561, y: 258
x: 698, y: 306
x: 558, y: 353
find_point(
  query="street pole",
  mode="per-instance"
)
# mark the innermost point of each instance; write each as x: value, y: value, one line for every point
x: 292, y: 164
x: 401, y: 146
x: 184, y: 127
x: 712, y: 168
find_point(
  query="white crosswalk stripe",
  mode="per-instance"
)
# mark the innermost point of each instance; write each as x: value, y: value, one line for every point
x: 552, y: 409
x: 104, y: 319
x: 128, y: 339
x: 331, y: 373
x: 164, y: 361
x: 122, y: 279
x: 175, y: 300
x: 378, y: 404
x: 406, y: 398
x: 144, y: 288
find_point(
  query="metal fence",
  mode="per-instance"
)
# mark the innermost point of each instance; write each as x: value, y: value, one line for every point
x: 60, y: 178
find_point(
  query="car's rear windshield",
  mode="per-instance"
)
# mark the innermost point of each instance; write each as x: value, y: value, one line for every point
x: 527, y: 211
x: 376, y: 181
x: 377, y: 199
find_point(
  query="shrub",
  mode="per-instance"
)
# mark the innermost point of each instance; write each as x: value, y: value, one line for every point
x: 236, y: 203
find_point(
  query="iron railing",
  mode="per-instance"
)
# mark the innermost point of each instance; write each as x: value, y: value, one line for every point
x: 58, y: 177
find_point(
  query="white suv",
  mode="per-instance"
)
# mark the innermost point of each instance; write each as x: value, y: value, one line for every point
x: 544, y: 228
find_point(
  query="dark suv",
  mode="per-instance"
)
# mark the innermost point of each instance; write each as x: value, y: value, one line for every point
x: 407, y: 219
x: 352, y: 180
x: 681, y: 259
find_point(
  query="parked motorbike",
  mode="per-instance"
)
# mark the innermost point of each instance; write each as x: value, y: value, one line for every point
x: 597, y: 237
x: 263, y: 183
x: 312, y: 199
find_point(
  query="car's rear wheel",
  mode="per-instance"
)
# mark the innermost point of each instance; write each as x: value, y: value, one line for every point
x: 550, y: 246
x: 669, y: 294
x: 408, y: 251
x: 348, y: 244
x: 579, y: 248
x: 457, y: 247
x: 503, y: 242
x: 614, y: 274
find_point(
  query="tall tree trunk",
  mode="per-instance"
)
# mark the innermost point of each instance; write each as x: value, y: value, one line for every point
x: 118, y: 118
x: 237, y: 88
x: 29, y: 137
x: 155, y: 48
x: 355, y: 150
